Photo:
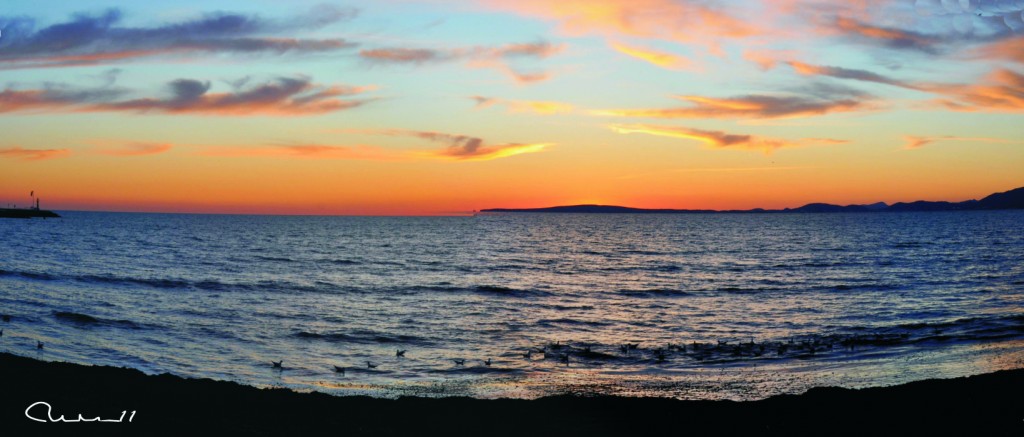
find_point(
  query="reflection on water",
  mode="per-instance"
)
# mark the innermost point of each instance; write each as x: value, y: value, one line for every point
x: 694, y: 306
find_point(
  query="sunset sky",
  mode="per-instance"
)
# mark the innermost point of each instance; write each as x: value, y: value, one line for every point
x: 444, y: 107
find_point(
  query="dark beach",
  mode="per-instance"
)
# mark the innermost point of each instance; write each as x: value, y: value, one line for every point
x: 989, y: 404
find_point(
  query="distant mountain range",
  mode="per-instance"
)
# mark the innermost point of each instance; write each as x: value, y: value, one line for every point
x: 1013, y: 199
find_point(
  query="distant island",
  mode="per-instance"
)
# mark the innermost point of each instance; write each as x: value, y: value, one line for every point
x: 1013, y: 199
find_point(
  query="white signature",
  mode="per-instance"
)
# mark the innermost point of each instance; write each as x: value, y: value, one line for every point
x: 49, y: 415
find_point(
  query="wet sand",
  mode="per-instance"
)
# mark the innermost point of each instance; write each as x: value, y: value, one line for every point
x: 990, y: 404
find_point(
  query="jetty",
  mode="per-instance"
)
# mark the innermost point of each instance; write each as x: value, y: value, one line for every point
x: 30, y: 212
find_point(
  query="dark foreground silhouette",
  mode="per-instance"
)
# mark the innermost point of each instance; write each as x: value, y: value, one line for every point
x: 991, y: 404
x: 1013, y: 199
x: 26, y: 213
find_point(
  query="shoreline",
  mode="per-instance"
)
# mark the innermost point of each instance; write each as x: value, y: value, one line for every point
x: 165, y: 404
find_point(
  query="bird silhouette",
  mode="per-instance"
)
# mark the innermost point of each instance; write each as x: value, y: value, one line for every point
x: 370, y: 365
x: 487, y: 362
x: 39, y: 344
x: 400, y: 353
x: 340, y: 370
x: 460, y: 362
x: 277, y: 364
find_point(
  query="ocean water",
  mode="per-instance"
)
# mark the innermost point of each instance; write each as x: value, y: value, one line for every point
x: 688, y: 306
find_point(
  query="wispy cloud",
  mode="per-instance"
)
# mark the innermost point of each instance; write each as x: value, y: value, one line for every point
x: 847, y: 73
x: 677, y: 20
x: 467, y: 148
x: 719, y: 139
x: 1001, y: 91
x: 889, y: 37
x: 498, y: 58
x: 310, y: 151
x: 88, y: 39
x: 662, y: 59
x: 753, y: 106
x: 282, y: 96
x: 534, y: 106
x: 916, y: 142
x: 132, y: 148
x: 33, y: 154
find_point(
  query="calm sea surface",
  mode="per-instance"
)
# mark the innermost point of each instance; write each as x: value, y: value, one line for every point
x: 687, y: 306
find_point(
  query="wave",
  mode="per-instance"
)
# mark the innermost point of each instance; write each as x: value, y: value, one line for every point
x: 506, y: 291
x: 87, y: 320
x: 654, y: 292
x: 364, y: 337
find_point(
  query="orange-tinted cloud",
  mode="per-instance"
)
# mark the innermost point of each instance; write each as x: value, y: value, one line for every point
x: 536, y: 107
x: 1001, y: 91
x: 661, y: 59
x: 135, y: 149
x: 310, y: 151
x: 719, y: 139
x: 467, y: 148
x: 33, y: 154
x: 885, y: 36
x: 846, y: 73
x: 680, y: 20
x: 280, y: 97
x: 751, y: 106
x: 915, y: 142
x: 1010, y: 49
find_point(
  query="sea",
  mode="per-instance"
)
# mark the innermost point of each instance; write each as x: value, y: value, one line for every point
x: 523, y: 305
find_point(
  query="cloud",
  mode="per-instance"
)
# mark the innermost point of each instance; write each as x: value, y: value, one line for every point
x: 719, y: 139
x: 677, y: 20
x: 915, y: 142
x: 135, y: 149
x: 1010, y: 49
x: 1001, y: 91
x: 847, y: 73
x: 282, y: 96
x: 88, y: 39
x: 457, y: 147
x: 498, y: 58
x: 311, y: 151
x: 33, y: 154
x: 661, y: 59
x: 754, y: 106
x: 536, y: 107
x: 887, y: 36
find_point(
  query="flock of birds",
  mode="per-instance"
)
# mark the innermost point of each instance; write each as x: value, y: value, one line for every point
x: 723, y: 350
x: 720, y: 351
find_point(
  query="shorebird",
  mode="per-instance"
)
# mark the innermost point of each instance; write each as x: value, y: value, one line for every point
x: 340, y: 370
x: 460, y: 362
x: 400, y: 353
x: 39, y: 344
x: 370, y: 365
x: 487, y: 362
x: 277, y: 364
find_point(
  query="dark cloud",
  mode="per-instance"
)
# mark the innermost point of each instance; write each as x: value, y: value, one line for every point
x: 281, y: 96
x: 847, y: 73
x: 97, y: 38
x: 813, y: 100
